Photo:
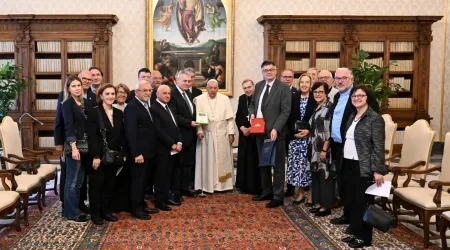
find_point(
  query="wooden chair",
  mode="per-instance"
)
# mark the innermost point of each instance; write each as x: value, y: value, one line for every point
x: 9, y: 198
x: 426, y: 202
x: 444, y: 223
x: 10, y: 137
x: 390, y: 128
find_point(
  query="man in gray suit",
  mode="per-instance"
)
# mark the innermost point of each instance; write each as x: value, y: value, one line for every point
x: 272, y: 101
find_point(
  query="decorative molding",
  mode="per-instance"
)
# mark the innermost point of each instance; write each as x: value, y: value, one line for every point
x: 350, y: 34
x: 425, y: 36
x: 23, y: 32
x: 102, y: 32
x: 276, y: 32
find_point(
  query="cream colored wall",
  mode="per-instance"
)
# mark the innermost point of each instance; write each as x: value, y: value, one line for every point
x: 129, y: 34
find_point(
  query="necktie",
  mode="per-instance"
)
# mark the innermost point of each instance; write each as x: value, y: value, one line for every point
x: 148, y: 110
x: 266, y: 93
x: 249, y: 100
x: 168, y: 111
x: 187, y: 101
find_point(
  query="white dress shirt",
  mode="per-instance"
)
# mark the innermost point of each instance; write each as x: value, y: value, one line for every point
x: 349, y: 146
x: 259, y: 113
x: 182, y: 92
x: 170, y: 111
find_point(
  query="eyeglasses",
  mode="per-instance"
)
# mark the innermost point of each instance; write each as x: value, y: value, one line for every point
x: 324, y: 77
x: 338, y: 79
x: 122, y: 92
x: 320, y: 92
x: 287, y: 76
x: 145, y: 90
x: 269, y: 70
x: 86, y: 79
x: 358, y: 96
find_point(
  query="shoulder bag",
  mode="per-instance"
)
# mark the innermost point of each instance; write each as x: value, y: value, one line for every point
x: 110, y: 157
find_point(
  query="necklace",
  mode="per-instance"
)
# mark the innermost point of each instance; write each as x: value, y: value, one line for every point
x: 357, y: 119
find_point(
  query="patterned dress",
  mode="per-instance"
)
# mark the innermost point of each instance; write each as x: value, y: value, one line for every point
x: 298, y: 173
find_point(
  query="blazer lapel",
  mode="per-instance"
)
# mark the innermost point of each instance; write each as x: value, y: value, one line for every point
x: 272, y: 92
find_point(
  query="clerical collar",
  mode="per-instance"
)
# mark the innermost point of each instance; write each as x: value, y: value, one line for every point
x: 270, y: 83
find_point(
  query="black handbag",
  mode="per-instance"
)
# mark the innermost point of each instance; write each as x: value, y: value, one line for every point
x: 82, y: 146
x: 302, y: 125
x: 378, y: 218
x: 110, y: 157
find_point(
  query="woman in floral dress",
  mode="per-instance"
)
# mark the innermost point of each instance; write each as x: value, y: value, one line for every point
x: 298, y: 173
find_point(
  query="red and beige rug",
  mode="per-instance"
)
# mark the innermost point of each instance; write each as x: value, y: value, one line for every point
x: 219, y: 221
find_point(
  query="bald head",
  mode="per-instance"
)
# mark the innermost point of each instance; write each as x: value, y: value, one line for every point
x: 163, y: 94
x: 326, y: 77
x: 86, y: 79
x: 155, y: 79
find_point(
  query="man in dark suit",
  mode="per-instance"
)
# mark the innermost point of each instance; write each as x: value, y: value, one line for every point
x: 342, y: 109
x: 143, y: 74
x: 155, y: 82
x: 89, y: 92
x: 181, y: 100
x: 166, y: 155
x: 141, y: 135
x: 272, y: 101
x: 192, y: 89
x: 287, y: 76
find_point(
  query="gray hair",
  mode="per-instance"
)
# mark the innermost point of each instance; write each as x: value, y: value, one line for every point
x: 349, y: 71
x: 182, y: 72
x: 141, y: 82
x: 190, y: 70
x: 313, y: 68
x: 326, y: 71
x: 212, y: 80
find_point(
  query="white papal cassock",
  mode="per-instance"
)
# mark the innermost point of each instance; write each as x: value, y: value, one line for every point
x: 214, y: 157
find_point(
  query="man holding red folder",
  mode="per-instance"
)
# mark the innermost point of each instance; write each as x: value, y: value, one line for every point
x: 271, y: 102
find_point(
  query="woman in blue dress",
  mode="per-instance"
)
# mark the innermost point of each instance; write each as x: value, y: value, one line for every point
x: 298, y: 172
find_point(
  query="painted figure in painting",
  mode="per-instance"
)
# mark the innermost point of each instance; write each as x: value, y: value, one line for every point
x: 214, y: 15
x: 166, y: 16
x: 190, y: 19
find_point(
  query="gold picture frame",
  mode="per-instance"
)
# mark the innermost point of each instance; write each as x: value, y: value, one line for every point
x: 198, y: 39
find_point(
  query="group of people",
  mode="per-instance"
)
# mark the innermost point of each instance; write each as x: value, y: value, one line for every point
x: 333, y: 137
x: 329, y: 129
x: 152, y: 129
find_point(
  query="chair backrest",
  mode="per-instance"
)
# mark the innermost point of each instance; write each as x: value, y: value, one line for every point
x: 417, y: 143
x: 445, y: 171
x: 390, y: 127
x: 10, y: 137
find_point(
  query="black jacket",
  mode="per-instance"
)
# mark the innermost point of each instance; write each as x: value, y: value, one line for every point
x: 74, y: 120
x: 183, y: 116
x: 115, y: 136
x: 91, y: 99
x: 369, y: 141
x: 349, y: 109
x: 242, y: 112
x: 196, y: 92
x: 164, y: 121
x: 131, y: 96
x: 140, y: 131
x: 295, y: 111
x: 58, y: 126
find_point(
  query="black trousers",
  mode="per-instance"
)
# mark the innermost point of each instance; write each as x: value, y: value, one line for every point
x: 162, y: 177
x: 322, y: 189
x: 184, y: 168
x: 140, y: 173
x: 356, y: 199
x: 101, y: 186
x: 62, y: 178
x: 336, y: 151
x: 275, y: 187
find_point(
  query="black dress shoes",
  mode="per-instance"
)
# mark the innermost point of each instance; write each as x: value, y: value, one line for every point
x: 110, y: 217
x: 290, y: 191
x: 274, y: 203
x: 339, y: 221
x: 323, y: 213
x: 163, y: 207
x: 348, y: 230
x: 314, y: 210
x: 149, y: 210
x: 141, y: 216
x: 348, y: 239
x: 263, y: 197
x: 309, y: 204
x: 97, y: 220
x: 190, y: 193
x: 173, y: 202
x: 357, y: 243
x: 298, y: 202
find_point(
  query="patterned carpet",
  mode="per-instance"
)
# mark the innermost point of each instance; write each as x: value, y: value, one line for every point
x: 219, y: 221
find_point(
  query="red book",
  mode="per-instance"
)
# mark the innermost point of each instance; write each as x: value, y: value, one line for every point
x: 258, y: 126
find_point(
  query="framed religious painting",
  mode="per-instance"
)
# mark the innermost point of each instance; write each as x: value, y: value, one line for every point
x: 194, y: 34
